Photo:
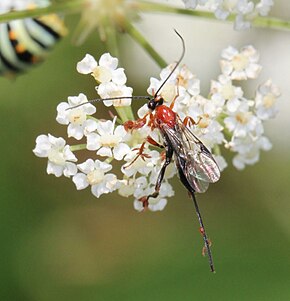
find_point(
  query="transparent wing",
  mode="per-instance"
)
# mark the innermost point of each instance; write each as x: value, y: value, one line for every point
x: 196, y: 161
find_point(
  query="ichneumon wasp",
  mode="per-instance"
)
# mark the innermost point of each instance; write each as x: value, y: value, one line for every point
x: 194, y: 162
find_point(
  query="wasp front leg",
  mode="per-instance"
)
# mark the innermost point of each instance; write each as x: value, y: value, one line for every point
x: 136, y: 124
x: 168, y: 158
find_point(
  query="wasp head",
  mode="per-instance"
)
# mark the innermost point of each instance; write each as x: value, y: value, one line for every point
x: 155, y: 102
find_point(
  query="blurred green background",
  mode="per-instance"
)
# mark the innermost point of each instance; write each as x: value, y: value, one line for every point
x: 61, y: 244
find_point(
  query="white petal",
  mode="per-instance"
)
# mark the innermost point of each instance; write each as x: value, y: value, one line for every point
x: 68, y: 154
x: 119, y: 77
x: 120, y: 131
x: 138, y: 206
x: 57, y: 142
x: 93, y: 141
x: 103, y: 165
x: 87, y: 166
x: 106, y: 60
x: 75, y: 130
x: 120, y: 151
x: 80, y: 181
x: 42, y: 146
x: 70, y: 169
x: 105, y: 127
x: 87, y: 64
x: 99, y: 189
x: 159, y: 206
x: 105, y: 151
x: 62, y: 113
x: 90, y: 125
x: 54, y: 169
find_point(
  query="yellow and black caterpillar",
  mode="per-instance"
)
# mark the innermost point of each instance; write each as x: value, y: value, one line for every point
x: 26, y: 42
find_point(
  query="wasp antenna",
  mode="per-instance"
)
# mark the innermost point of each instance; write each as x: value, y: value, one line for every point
x: 177, y: 64
x: 110, y: 98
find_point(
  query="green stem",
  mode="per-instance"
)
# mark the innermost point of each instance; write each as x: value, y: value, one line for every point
x: 111, y: 38
x: 71, y: 6
x: 141, y: 40
x: 125, y: 113
x: 272, y: 23
x: 261, y: 22
x: 77, y: 147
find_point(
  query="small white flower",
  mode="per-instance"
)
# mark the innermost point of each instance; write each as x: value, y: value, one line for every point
x: 136, y: 137
x: 266, y: 98
x: 264, y: 6
x: 60, y: 157
x: 193, y: 3
x: 76, y: 118
x: 94, y: 173
x: 103, y: 72
x: 211, y: 134
x: 131, y: 186
x: 241, y: 23
x: 221, y: 162
x: 108, y: 140
x: 112, y: 90
x: 248, y: 149
x: 154, y: 204
x: 240, y: 65
x: 242, y: 121
x: 181, y: 84
x: 142, y: 164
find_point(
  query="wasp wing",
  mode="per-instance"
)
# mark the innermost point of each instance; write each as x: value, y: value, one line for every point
x: 195, y: 160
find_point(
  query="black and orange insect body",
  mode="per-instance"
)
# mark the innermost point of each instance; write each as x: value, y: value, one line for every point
x: 23, y: 43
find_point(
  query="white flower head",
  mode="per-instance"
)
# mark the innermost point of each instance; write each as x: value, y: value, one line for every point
x: 240, y: 65
x: 94, y: 173
x: 60, y: 157
x: 264, y: 6
x: 242, y: 121
x: 154, y: 204
x: 193, y: 3
x: 142, y: 164
x: 108, y: 140
x: 104, y: 71
x: 112, y: 90
x: 76, y: 118
x: 266, y: 99
x: 248, y: 150
x: 181, y: 85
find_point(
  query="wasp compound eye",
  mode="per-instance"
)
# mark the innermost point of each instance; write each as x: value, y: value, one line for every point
x: 152, y: 104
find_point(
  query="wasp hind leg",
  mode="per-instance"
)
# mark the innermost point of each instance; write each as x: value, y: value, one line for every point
x: 145, y: 199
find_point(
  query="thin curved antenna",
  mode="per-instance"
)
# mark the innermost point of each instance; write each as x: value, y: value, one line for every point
x: 110, y: 98
x: 177, y: 64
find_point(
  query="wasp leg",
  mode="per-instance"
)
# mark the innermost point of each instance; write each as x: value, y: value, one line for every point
x: 169, y: 154
x: 207, y: 242
x: 139, y: 154
x: 136, y: 124
x: 175, y: 97
x: 188, y: 121
x: 153, y: 142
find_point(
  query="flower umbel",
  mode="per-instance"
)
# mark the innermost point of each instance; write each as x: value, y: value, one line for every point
x: 129, y: 158
x: 243, y: 10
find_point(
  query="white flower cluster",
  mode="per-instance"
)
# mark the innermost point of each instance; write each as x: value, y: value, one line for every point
x: 226, y: 118
x: 244, y: 10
